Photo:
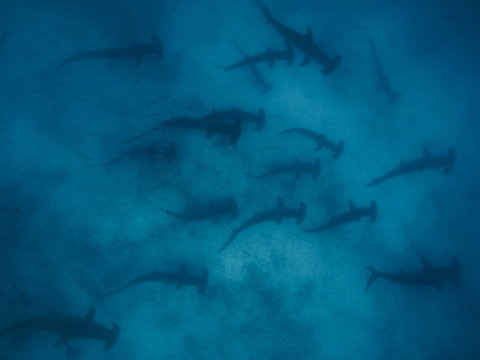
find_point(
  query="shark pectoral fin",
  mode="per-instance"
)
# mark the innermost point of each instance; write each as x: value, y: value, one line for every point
x: 91, y: 314
x: 306, y: 61
x: 63, y: 339
x: 426, y: 153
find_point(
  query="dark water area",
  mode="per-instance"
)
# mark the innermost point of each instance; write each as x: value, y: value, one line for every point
x: 130, y: 157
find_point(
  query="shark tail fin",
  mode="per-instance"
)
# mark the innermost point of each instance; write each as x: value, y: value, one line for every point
x: 456, y: 270
x: 261, y: 119
x: 112, y: 337
x: 339, y: 150
x: 332, y: 66
x: 373, y: 211
x: 302, y: 211
x: 373, y: 276
x: 203, y: 282
x: 450, y: 160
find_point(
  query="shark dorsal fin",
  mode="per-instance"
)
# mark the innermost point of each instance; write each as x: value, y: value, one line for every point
x: 91, y: 314
x: 183, y: 268
x: 352, y: 205
x: 426, y: 264
x: 280, y: 203
x: 426, y: 153
x: 309, y: 34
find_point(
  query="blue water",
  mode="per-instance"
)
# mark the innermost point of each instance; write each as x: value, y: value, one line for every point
x: 71, y: 230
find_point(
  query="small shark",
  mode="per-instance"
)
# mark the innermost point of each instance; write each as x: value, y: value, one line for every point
x: 320, y: 139
x: 180, y: 278
x: 214, y: 210
x: 426, y: 161
x: 136, y: 52
x: 166, y: 153
x: 383, y: 81
x: 236, y: 114
x: 277, y: 215
x: 304, y: 43
x: 298, y: 168
x: 259, y: 78
x: 270, y: 56
x: 70, y: 327
x: 427, y: 276
x: 232, y: 131
x: 353, y: 214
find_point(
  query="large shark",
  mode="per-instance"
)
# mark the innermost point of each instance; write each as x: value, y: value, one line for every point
x: 70, y: 327
x: 214, y: 210
x: 297, y: 168
x: 277, y: 215
x: 136, y: 52
x: 383, y: 81
x: 270, y: 56
x: 426, y: 161
x: 180, y: 278
x: 152, y: 153
x: 320, y: 139
x: 260, y: 80
x: 353, y: 214
x: 425, y: 277
x: 304, y: 43
x: 237, y: 114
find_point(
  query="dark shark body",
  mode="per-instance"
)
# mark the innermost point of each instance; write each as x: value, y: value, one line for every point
x: 236, y: 114
x: 270, y: 56
x: 277, y: 215
x: 304, y: 43
x: 180, y: 278
x: 136, y: 53
x: 232, y: 131
x: 320, y: 139
x: 425, y: 277
x: 353, y: 214
x: 427, y: 161
x: 260, y: 80
x: 70, y: 327
x: 214, y: 210
x: 297, y: 168
x: 383, y: 81
x: 152, y: 153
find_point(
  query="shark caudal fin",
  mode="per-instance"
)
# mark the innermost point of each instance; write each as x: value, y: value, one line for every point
x: 112, y: 337
x: 373, y: 276
x: 450, y: 160
x: 302, y: 211
x: 373, y: 211
x: 338, y: 150
x: 265, y: 11
x: 332, y: 66
x: 456, y: 270
x: 202, y: 286
x: 261, y: 119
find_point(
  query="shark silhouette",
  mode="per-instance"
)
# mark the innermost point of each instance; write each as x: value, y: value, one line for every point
x: 297, y: 168
x: 214, y: 210
x: 426, y: 161
x: 70, y: 327
x: 425, y: 277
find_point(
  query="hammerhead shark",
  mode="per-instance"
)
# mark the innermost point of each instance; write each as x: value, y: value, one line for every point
x: 166, y: 153
x: 277, y: 215
x: 297, y: 168
x: 214, y: 210
x: 136, y: 52
x: 383, y: 81
x: 232, y: 131
x: 426, y: 161
x: 353, y: 214
x: 320, y: 139
x: 70, y: 327
x: 304, y: 43
x: 425, y: 277
x: 260, y: 80
x: 237, y: 114
x: 270, y: 56
x: 180, y: 278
